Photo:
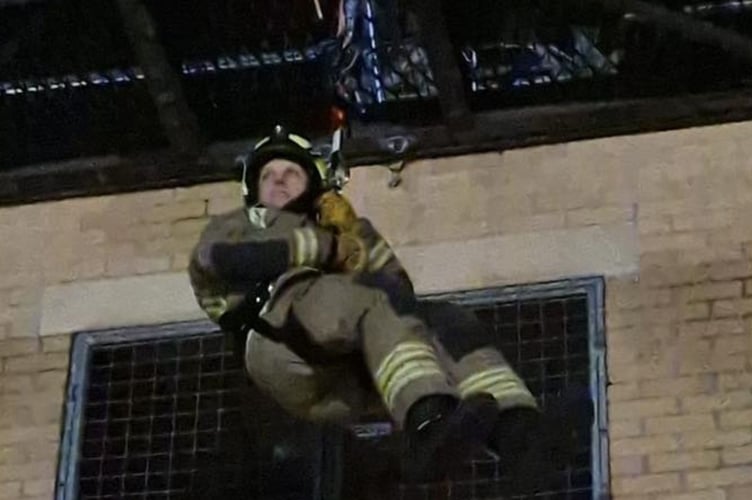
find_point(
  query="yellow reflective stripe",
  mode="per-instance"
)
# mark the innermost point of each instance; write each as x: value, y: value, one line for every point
x: 484, y: 379
x: 392, y: 360
x: 399, y: 361
x: 379, y: 256
x: 406, y: 363
x: 312, y: 247
x: 411, y: 374
x: 306, y: 252
x: 300, y: 246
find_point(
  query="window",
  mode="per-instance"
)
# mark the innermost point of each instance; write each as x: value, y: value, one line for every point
x: 553, y: 335
x: 163, y: 412
x: 160, y: 412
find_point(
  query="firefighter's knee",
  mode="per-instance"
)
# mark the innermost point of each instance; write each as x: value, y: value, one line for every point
x: 333, y: 309
x: 458, y: 330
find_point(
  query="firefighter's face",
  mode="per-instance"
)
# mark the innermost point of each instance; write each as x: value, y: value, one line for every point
x: 280, y: 182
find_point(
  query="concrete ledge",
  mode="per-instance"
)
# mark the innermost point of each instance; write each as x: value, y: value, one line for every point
x: 522, y: 258
x: 439, y: 267
x: 140, y: 300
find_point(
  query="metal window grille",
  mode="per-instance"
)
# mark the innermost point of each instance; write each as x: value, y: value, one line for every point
x: 553, y: 335
x: 161, y: 412
x: 70, y: 85
x: 158, y: 414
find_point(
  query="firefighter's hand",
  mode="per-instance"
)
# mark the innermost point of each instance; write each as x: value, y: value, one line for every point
x: 336, y: 212
x: 351, y: 254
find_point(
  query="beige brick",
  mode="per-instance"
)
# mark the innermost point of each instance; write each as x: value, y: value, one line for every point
x: 620, y: 319
x: 56, y: 343
x: 13, y: 385
x: 715, y: 362
x: 35, y: 363
x: 223, y: 205
x: 697, y: 495
x: 748, y: 288
x: 188, y: 228
x: 645, y: 445
x: 633, y: 371
x: 739, y: 493
x: 206, y: 191
x: 38, y: 487
x: 681, y: 461
x: 48, y: 433
x: 10, y: 490
x: 38, y: 470
x: 179, y: 261
x: 721, y: 477
x: 712, y: 328
x: 715, y: 439
x: 14, y: 414
x: 715, y: 402
x: 668, y: 272
x: 728, y: 381
x: 189, y: 209
x: 623, y: 392
x: 624, y: 428
x: 733, y: 345
x: 13, y: 455
x: 18, y: 347
x: 652, y: 483
x: 711, y: 291
x: 643, y: 408
x: 678, y: 386
x: 136, y: 265
x: 684, y: 423
x: 627, y: 466
x: 50, y: 411
x: 24, y: 296
x: 93, y: 266
x: 722, y: 271
x: 50, y: 382
x: 737, y: 456
x: 637, y: 298
x: 138, y: 234
x: 704, y: 221
x: 675, y: 241
x: 732, y: 308
x: 733, y: 419
x: 694, y: 311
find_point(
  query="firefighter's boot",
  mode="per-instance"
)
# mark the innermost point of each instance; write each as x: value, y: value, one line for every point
x: 442, y: 430
x: 533, y: 445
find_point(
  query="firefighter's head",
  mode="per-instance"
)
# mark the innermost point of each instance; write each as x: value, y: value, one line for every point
x: 283, y: 172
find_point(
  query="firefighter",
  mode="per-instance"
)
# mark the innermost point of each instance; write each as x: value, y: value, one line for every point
x: 322, y: 301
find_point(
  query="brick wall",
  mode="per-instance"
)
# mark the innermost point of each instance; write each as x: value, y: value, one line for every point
x: 664, y: 217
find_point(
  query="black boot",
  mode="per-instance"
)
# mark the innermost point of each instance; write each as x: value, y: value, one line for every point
x: 533, y: 445
x: 520, y: 440
x: 441, y: 430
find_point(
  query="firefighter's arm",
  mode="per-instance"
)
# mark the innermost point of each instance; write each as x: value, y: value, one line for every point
x: 385, y: 271
x: 254, y: 261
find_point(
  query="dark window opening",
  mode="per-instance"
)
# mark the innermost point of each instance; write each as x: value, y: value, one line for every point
x: 167, y: 413
x: 172, y: 417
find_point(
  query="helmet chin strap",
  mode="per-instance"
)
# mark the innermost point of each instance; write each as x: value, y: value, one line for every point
x: 243, y: 186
